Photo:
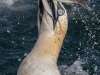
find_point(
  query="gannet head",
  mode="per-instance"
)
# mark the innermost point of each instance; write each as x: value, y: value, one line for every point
x: 49, y: 12
x: 52, y: 18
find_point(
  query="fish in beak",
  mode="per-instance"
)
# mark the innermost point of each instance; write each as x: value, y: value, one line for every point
x: 80, y: 2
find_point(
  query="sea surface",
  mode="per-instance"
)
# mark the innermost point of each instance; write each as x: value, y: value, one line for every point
x: 80, y: 53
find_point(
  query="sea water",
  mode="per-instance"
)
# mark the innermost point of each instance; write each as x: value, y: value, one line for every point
x: 80, y: 54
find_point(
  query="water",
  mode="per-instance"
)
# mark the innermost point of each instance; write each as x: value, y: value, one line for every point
x: 80, y: 53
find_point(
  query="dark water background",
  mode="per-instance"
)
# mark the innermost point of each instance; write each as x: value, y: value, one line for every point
x: 18, y: 34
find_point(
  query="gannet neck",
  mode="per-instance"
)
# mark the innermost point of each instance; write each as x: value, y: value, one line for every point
x: 49, y: 43
x: 51, y: 34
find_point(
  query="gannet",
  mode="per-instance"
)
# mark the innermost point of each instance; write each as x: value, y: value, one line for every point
x: 52, y: 28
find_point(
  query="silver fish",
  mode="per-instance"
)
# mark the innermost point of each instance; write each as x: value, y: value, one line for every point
x: 80, y: 2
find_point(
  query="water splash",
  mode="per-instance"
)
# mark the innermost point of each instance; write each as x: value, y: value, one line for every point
x: 8, y: 2
x: 74, y: 69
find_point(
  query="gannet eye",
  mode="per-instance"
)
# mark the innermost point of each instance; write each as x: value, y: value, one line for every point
x: 61, y: 11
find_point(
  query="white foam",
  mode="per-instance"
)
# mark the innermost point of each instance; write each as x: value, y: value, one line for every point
x: 74, y: 69
x: 8, y: 2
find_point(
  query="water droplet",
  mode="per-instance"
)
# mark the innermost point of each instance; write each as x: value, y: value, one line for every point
x: 19, y: 59
x: 95, y: 68
x: 12, y: 41
x: 25, y: 54
x: 23, y: 38
x: 76, y: 21
x: 80, y: 44
x: 18, y: 22
x: 8, y: 31
x: 86, y: 27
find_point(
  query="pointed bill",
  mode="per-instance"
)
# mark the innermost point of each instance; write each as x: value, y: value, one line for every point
x: 47, y: 7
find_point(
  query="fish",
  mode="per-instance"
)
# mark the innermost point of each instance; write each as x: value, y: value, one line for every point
x: 83, y: 3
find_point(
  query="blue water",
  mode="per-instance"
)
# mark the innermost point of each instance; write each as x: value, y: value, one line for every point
x: 18, y: 34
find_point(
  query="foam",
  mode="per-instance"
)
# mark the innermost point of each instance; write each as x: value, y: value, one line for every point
x: 74, y: 69
x: 8, y: 2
